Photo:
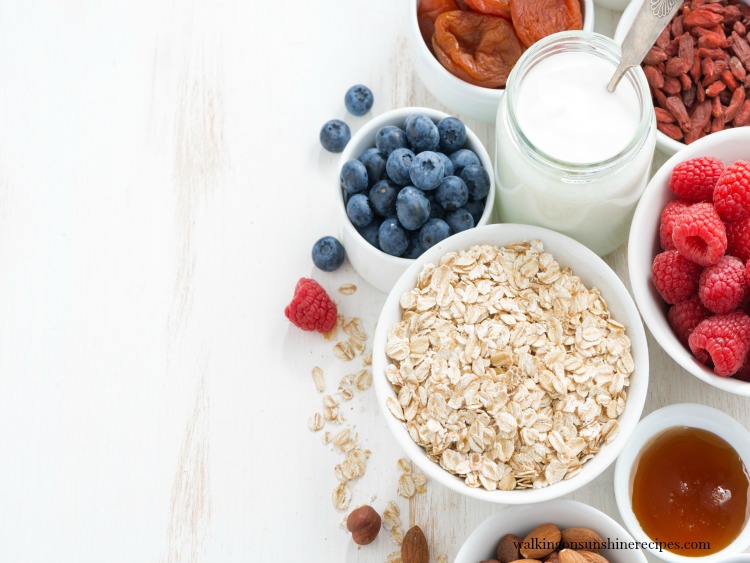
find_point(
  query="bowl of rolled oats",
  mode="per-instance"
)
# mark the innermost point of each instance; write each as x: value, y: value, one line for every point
x: 510, y: 364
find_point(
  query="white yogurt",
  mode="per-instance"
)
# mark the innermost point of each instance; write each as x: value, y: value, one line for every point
x: 564, y: 109
x: 575, y: 158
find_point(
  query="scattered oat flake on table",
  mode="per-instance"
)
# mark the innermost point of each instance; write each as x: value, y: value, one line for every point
x: 319, y: 379
x: 347, y: 288
x: 442, y: 558
x: 404, y: 465
x: 342, y: 496
x: 364, y: 379
x: 406, y: 487
x: 343, y: 351
x: 391, y: 516
x: 394, y: 557
x: 315, y: 422
x: 397, y: 535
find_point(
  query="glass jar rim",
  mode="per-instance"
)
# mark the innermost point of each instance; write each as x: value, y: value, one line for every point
x: 597, y: 45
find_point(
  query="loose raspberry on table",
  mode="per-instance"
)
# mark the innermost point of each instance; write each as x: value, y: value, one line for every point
x: 685, y: 316
x: 699, y: 234
x: 723, y: 340
x: 695, y: 179
x: 732, y: 192
x: 675, y: 277
x: 668, y: 216
x: 722, y: 287
x: 738, y: 239
x: 311, y: 307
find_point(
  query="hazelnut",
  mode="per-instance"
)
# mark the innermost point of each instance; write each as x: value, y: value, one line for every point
x: 364, y: 524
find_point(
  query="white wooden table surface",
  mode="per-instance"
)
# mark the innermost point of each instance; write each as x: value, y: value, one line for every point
x: 161, y: 185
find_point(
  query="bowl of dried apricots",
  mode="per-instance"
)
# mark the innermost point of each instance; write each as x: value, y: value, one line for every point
x: 464, y: 50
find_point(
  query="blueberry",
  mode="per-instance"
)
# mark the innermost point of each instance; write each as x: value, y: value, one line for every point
x: 422, y: 133
x: 392, y: 237
x: 477, y: 180
x: 398, y: 164
x: 452, y: 134
x: 447, y: 164
x: 432, y: 232
x: 358, y: 99
x: 390, y: 138
x: 328, y: 254
x: 370, y: 233
x: 476, y: 208
x: 335, y: 135
x: 426, y: 171
x: 452, y: 193
x: 412, y: 208
x: 436, y: 210
x: 459, y: 220
x: 462, y: 158
x: 374, y: 162
x: 383, y: 198
x: 353, y: 177
x: 414, y: 250
x: 358, y: 210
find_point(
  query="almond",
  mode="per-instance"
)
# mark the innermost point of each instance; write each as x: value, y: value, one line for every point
x: 414, y: 547
x: 541, y: 541
x: 507, y: 548
x: 526, y: 561
x: 571, y: 556
x: 592, y: 557
x: 582, y: 539
x: 553, y: 557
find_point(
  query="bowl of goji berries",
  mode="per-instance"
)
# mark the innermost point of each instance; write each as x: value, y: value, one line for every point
x: 689, y: 259
x: 698, y: 70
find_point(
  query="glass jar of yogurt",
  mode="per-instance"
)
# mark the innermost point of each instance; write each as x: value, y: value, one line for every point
x: 571, y: 156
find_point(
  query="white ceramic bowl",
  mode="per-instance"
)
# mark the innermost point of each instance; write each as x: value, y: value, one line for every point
x: 594, y: 272
x: 683, y: 414
x: 463, y: 98
x: 664, y: 143
x: 520, y: 520
x: 643, y: 245
x: 378, y: 268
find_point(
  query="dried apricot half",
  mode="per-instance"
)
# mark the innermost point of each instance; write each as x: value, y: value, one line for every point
x: 477, y: 48
x: 491, y: 7
x: 427, y: 13
x: 536, y: 19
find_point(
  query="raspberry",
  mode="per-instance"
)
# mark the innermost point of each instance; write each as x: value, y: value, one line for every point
x: 722, y: 287
x: 695, y: 179
x: 699, y: 234
x: 744, y: 373
x: 668, y: 215
x: 311, y: 308
x: 685, y: 316
x: 738, y: 239
x: 675, y: 277
x: 723, y: 340
x: 747, y: 272
x: 732, y: 192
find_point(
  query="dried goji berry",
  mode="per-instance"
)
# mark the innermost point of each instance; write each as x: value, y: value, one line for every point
x: 477, y: 48
x: 492, y: 7
x: 536, y: 19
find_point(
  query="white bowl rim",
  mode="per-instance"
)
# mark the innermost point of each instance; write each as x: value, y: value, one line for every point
x: 639, y: 283
x: 559, y: 505
x: 387, y: 118
x: 675, y: 415
x: 473, y: 89
x: 633, y: 407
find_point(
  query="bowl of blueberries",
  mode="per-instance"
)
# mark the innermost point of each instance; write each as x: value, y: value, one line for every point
x: 409, y: 179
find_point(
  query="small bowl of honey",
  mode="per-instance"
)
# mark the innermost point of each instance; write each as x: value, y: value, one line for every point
x: 682, y: 485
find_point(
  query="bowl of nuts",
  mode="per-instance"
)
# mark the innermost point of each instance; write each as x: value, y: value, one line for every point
x: 697, y: 70
x: 560, y: 531
x: 408, y: 179
x: 689, y: 247
x: 464, y: 50
x: 510, y: 364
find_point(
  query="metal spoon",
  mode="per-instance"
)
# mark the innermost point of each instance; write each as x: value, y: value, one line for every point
x: 649, y: 22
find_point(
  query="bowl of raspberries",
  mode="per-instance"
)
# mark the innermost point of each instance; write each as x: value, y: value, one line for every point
x: 689, y: 259
x: 409, y: 179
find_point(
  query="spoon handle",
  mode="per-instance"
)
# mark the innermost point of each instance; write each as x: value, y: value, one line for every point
x: 650, y: 21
